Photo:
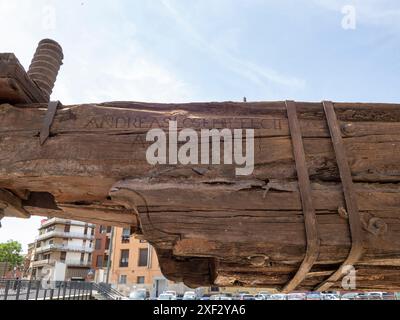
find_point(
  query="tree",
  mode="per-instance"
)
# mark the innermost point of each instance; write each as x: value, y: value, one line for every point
x: 10, y: 252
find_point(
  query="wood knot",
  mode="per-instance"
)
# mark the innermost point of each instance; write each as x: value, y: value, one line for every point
x: 258, y: 260
x: 348, y: 129
x: 377, y: 226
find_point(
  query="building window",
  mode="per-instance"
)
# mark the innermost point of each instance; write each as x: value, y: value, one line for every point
x: 67, y: 228
x: 143, y: 257
x: 122, y: 279
x: 97, y: 245
x: 126, y: 234
x: 99, y: 261
x: 107, y: 247
x: 123, y: 262
x: 109, y: 229
x: 103, y: 229
x: 63, y: 256
x: 140, y: 280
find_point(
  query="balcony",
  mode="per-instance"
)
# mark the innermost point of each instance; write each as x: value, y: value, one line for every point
x: 41, y: 263
x: 69, y: 263
x: 61, y: 234
x: 62, y: 247
x: 51, y: 221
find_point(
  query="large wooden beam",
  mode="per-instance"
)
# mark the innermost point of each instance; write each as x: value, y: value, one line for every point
x: 247, y: 230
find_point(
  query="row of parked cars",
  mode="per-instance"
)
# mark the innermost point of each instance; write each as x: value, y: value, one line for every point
x: 312, y: 296
x: 141, y: 294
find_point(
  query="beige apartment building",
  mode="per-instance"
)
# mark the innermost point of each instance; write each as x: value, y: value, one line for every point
x: 63, y: 242
x: 135, y: 265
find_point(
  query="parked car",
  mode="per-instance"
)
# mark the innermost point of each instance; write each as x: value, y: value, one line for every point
x: 265, y: 294
x: 296, y: 296
x: 138, y: 294
x: 375, y: 296
x: 247, y: 297
x: 388, y: 296
x: 350, y: 296
x: 227, y: 296
x: 189, y: 295
x: 278, y: 296
x: 314, y: 296
x: 171, y: 292
x: 363, y: 296
x: 260, y: 297
x: 330, y: 296
x: 166, y: 296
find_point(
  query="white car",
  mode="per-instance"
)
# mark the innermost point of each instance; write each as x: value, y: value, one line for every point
x: 277, y: 297
x: 189, y: 295
x: 296, y: 296
x: 166, y: 296
x: 139, y: 294
x: 171, y: 292
x: 350, y: 296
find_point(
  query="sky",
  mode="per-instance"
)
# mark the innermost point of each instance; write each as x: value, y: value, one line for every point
x: 209, y: 50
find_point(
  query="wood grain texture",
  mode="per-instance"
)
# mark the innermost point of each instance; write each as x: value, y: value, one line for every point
x: 210, y: 227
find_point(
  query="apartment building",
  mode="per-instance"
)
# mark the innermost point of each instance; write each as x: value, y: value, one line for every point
x: 63, y: 241
x: 135, y: 265
x: 28, y: 259
x: 101, y: 262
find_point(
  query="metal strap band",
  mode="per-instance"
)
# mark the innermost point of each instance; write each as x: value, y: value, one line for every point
x: 48, y: 120
x: 349, y: 196
x: 310, y: 221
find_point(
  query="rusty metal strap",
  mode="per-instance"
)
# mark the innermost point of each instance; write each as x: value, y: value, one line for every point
x: 310, y: 222
x: 349, y: 196
x: 48, y: 120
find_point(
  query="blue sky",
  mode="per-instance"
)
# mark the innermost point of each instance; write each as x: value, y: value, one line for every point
x: 208, y: 50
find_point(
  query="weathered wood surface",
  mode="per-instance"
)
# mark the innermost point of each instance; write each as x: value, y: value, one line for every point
x: 15, y: 84
x: 208, y: 225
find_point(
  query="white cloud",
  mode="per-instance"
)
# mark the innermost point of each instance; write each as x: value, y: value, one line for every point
x: 259, y: 75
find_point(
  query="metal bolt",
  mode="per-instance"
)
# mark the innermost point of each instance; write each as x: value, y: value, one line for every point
x: 45, y: 65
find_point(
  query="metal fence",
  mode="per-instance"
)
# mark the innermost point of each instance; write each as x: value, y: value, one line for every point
x: 42, y: 290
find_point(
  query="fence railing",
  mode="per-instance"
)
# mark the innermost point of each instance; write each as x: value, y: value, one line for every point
x: 107, y: 291
x: 44, y: 290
